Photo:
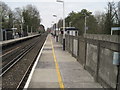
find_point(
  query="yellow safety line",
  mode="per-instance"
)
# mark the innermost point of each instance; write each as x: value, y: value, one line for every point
x: 57, y: 68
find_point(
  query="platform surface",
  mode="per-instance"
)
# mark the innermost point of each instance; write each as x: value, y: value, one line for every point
x: 58, y: 69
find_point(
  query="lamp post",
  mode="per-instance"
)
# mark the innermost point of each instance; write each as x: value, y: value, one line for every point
x: 27, y: 29
x: 31, y: 30
x: 21, y: 23
x: 55, y: 23
x: 70, y: 24
x: 56, y: 32
x: 14, y: 29
x: 53, y: 29
x: 6, y: 20
x: 85, y: 25
x: 63, y: 23
x: 1, y: 32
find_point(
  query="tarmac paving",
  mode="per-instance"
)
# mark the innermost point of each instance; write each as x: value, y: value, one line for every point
x: 58, y: 69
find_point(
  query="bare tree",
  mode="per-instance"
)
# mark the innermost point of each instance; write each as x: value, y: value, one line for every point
x: 100, y: 17
x: 6, y: 15
x: 111, y: 17
x: 18, y: 18
x: 31, y: 18
x: 119, y: 11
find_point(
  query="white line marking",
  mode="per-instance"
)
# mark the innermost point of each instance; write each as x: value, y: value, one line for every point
x: 34, y: 66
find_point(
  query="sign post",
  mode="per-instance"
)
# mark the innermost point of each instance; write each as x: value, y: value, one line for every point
x: 114, y: 29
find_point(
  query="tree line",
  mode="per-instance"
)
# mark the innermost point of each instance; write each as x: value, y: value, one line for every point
x: 26, y: 19
x: 100, y: 23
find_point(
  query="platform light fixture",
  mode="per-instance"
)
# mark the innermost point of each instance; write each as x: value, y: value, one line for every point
x: 63, y: 23
x: 56, y: 32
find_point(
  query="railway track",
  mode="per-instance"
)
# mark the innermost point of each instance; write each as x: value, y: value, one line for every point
x: 7, y: 64
x: 8, y: 68
x: 12, y: 62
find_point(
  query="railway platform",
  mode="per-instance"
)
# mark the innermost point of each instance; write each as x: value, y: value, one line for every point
x: 8, y: 42
x: 55, y: 68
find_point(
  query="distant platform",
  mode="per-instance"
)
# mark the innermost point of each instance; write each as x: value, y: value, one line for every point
x: 17, y: 39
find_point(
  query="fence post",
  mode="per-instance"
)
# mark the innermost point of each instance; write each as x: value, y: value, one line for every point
x: 118, y: 85
x: 78, y: 48
x: 72, y: 45
x: 65, y: 42
x: 69, y: 43
x: 98, y: 61
x: 118, y: 79
x: 85, y: 41
x: 118, y: 88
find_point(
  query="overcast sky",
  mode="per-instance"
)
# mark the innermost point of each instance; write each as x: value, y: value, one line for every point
x: 48, y: 8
